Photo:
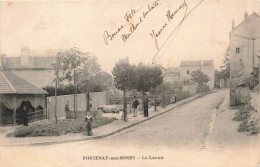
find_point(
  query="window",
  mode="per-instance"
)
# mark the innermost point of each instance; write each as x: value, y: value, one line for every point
x: 237, y: 50
x: 188, y: 71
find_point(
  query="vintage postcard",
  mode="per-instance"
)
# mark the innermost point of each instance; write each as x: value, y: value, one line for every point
x: 172, y: 83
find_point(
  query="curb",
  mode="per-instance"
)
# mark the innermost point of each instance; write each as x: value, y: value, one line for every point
x: 111, y: 133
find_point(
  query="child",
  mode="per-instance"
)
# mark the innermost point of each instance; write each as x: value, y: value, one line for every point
x: 88, y: 120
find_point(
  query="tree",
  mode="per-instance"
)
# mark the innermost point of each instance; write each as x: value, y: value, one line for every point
x: 56, y: 66
x: 69, y: 63
x: 124, y: 79
x: 199, y: 78
x: 148, y: 77
x: 89, y: 77
x: 226, y: 67
x: 83, y: 70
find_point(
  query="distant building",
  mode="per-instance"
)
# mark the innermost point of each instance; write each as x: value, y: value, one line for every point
x: 244, y: 45
x: 35, y: 67
x: 172, y: 75
x: 206, y: 66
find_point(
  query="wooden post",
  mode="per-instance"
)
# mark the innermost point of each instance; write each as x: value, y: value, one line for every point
x: 35, y: 107
x: 163, y: 97
x: 130, y: 106
x: 43, y: 107
x: 14, y: 114
x: 55, y: 109
x: 125, y: 106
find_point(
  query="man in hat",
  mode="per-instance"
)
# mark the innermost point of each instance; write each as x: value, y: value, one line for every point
x: 145, y: 103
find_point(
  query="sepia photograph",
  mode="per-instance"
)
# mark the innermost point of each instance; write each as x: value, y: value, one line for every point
x: 128, y: 83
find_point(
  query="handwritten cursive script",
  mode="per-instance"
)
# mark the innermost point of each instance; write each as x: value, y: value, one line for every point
x: 132, y: 29
x: 175, y: 30
x: 170, y: 17
x: 110, y: 37
x: 130, y: 14
x: 133, y: 25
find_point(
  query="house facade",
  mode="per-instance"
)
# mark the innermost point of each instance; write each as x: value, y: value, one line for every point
x: 172, y: 75
x: 206, y: 66
x: 244, y: 46
x: 35, y: 67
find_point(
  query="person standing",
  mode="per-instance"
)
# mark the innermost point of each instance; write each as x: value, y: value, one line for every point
x: 134, y: 106
x: 88, y: 121
x: 24, y: 114
x: 67, y: 109
x: 173, y: 99
x: 145, y: 103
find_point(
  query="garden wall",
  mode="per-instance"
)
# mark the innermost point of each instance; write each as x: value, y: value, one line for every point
x: 98, y: 98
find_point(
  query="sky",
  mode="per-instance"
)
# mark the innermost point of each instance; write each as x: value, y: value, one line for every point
x: 46, y: 25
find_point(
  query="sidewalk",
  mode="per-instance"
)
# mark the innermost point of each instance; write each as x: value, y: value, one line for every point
x: 98, y: 133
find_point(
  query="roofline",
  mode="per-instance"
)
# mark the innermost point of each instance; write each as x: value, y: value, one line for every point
x: 197, y: 60
x: 243, y: 22
x: 24, y: 93
x: 8, y: 82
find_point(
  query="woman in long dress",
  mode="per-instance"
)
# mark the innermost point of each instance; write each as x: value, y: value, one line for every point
x: 88, y: 121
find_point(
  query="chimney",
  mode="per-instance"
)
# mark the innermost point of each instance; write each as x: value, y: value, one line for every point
x: 246, y: 15
x: 233, y: 25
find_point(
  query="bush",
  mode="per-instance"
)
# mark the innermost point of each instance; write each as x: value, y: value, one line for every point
x: 62, y: 128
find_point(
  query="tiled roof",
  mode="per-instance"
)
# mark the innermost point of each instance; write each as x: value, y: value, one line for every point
x: 12, y: 84
x: 196, y: 63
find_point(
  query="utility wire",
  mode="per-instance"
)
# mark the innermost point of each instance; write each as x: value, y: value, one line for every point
x: 176, y: 29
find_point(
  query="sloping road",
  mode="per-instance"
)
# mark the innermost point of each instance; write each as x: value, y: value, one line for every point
x: 184, y: 127
x: 186, y: 136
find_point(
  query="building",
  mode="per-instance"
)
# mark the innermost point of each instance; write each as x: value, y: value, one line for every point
x: 244, y: 46
x: 172, y: 75
x: 206, y: 66
x: 33, y: 66
x: 15, y: 92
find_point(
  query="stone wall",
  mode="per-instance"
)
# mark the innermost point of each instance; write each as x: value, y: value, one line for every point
x: 98, y: 98
x: 255, y: 99
x: 190, y: 88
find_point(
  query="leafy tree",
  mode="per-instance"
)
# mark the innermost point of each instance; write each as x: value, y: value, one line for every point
x: 199, y: 78
x: 170, y: 87
x: 226, y: 67
x: 89, y: 77
x: 148, y: 77
x: 124, y: 79
x: 70, y: 64
x: 80, y: 69
x: 61, y: 90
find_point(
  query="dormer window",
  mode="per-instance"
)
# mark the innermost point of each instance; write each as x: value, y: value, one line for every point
x: 237, y: 50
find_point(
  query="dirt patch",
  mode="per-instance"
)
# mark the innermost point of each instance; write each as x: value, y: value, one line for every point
x: 63, y: 127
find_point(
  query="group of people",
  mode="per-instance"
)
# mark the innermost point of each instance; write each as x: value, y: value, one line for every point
x: 145, y: 105
x: 135, y: 104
